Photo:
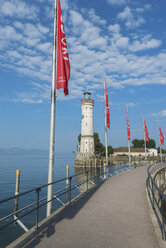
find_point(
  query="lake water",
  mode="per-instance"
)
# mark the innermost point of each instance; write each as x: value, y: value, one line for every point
x: 33, y: 173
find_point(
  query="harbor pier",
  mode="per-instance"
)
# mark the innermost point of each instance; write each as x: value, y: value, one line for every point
x: 114, y: 214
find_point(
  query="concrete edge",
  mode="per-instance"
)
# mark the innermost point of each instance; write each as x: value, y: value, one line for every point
x: 161, y: 242
x: 28, y: 236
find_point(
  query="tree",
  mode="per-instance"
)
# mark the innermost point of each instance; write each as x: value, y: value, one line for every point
x: 141, y: 143
x: 163, y: 151
x: 96, y: 139
x: 99, y: 147
x: 138, y: 143
x: 79, y: 138
x: 110, y: 150
x: 151, y: 143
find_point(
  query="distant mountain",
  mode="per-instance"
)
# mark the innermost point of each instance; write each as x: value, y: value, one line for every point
x: 22, y: 152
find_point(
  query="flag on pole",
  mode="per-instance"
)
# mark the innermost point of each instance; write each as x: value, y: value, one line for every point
x: 128, y: 126
x: 146, y: 132
x: 161, y: 137
x: 63, y: 65
x: 107, y: 107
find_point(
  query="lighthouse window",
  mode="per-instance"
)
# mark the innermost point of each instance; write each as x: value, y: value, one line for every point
x: 86, y: 142
x: 86, y: 123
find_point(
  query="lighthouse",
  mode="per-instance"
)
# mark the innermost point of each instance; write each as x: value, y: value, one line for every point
x: 87, y: 134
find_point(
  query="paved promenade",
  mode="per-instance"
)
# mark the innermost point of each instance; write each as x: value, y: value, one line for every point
x: 114, y: 215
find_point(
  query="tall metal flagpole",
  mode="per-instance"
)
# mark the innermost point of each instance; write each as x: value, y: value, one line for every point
x: 160, y: 147
x: 128, y: 141
x: 129, y: 153
x: 52, y: 120
x: 106, y: 136
x: 161, y: 154
x: 145, y: 141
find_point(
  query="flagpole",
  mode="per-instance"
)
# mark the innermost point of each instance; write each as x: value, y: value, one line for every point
x: 106, y: 135
x: 129, y: 153
x: 52, y: 119
x: 128, y: 141
x: 145, y: 140
x: 161, y: 154
x: 160, y: 145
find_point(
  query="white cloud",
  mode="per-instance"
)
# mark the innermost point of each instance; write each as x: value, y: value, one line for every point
x: 76, y: 18
x: 131, y: 104
x: 147, y: 6
x: 45, y: 47
x: 114, y: 28
x: 161, y: 113
x: 25, y: 97
x: 18, y: 9
x: 125, y: 14
x: 115, y: 2
x: 26, y: 48
x: 8, y: 33
x: 95, y: 18
x: 149, y: 44
x: 122, y: 42
x: 139, y: 10
x: 131, y: 21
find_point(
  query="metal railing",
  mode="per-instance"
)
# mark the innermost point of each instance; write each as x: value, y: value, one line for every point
x: 88, y: 182
x: 157, y: 196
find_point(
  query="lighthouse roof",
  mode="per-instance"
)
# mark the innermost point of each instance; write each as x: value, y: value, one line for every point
x: 87, y: 95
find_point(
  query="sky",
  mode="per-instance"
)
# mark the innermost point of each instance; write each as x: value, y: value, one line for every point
x: 123, y: 41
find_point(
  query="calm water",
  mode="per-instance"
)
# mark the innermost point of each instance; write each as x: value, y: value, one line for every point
x: 33, y: 173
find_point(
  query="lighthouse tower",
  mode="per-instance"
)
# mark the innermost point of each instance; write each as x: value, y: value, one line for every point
x: 87, y: 134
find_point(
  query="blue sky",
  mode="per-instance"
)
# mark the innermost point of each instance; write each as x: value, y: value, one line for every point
x: 122, y: 40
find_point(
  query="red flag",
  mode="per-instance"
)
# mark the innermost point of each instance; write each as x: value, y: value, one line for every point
x: 78, y: 148
x: 146, y: 132
x: 107, y: 107
x: 161, y: 137
x: 63, y: 65
x: 128, y: 126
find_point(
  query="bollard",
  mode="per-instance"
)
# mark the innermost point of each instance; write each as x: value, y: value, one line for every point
x: 89, y: 163
x: 16, y: 193
x: 17, y: 189
x: 105, y: 171
x: 100, y: 163
x: 95, y: 163
x: 67, y: 183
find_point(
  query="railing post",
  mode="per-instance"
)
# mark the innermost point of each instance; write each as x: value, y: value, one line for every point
x: 163, y: 224
x: 37, y: 207
x: 70, y: 178
x: 87, y: 180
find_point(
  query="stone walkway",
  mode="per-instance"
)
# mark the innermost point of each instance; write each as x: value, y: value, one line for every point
x: 114, y: 215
